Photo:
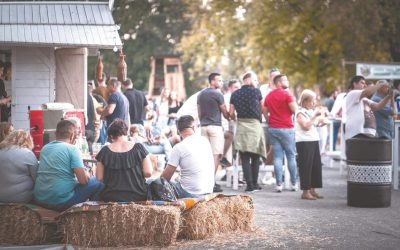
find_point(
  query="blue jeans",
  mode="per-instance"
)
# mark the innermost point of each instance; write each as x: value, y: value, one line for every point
x: 90, y: 191
x: 163, y: 148
x: 283, y: 141
x: 336, y: 128
x: 180, y: 192
x: 103, y: 133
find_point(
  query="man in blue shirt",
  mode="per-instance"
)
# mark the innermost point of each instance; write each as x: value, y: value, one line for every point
x: 117, y: 105
x: 384, y: 117
x: 62, y: 180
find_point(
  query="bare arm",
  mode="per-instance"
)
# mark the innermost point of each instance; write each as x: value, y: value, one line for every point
x: 370, y: 90
x: 293, y: 107
x: 304, y: 123
x: 380, y: 105
x: 265, y: 113
x: 81, y: 175
x: 147, y: 167
x: 99, y: 171
x: 232, y: 112
x: 224, y: 111
x: 262, y: 107
x: 108, y: 110
x: 5, y: 100
x: 168, y: 172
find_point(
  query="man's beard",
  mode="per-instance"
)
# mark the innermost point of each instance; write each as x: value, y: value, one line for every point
x: 284, y: 87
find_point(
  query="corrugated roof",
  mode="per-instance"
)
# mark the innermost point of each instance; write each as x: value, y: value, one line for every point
x: 83, y: 24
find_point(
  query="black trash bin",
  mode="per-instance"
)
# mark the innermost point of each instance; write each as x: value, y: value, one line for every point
x: 369, y: 179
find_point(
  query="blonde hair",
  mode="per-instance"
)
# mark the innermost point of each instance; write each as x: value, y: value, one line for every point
x: 5, y: 129
x: 306, y: 95
x: 18, y: 138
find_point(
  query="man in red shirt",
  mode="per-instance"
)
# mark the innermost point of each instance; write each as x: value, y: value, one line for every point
x: 280, y: 106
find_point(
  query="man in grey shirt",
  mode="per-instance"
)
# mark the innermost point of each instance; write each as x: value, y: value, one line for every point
x: 210, y: 105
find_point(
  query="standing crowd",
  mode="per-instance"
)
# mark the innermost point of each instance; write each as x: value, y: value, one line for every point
x: 186, y: 143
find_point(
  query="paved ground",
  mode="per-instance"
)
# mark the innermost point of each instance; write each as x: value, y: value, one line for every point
x: 284, y: 221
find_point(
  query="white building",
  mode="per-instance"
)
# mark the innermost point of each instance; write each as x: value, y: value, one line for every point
x: 47, y: 43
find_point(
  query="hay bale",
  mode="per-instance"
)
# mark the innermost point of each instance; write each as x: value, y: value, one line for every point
x: 20, y: 225
x: 121, y: 225
x: 219, y: 215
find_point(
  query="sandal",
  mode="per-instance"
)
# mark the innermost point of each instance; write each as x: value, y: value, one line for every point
x: 317, y: 196
x: 308, y: 197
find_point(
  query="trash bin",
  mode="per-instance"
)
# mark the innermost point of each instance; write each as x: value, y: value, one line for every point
x: 369, y: 179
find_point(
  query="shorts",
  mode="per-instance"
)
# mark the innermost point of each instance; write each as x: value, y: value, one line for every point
x: 232, y: 127
x: 215, y: 135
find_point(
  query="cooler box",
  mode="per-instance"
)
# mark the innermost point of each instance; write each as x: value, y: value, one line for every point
x: 43, y: 124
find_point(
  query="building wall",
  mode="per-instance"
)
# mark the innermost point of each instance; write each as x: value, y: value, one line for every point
x: 71, y: 76
x: 33, y: 78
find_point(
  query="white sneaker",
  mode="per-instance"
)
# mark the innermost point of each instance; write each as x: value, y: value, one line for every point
x: 294, y: 187
x: 270, y: 181
x: 278, y: 188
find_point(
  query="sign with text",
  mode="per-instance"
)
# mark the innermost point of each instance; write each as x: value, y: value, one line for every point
x: 378, y: 71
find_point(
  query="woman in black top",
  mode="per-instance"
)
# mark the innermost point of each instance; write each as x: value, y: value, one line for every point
x: 123, y: 166
x: 173, y: 106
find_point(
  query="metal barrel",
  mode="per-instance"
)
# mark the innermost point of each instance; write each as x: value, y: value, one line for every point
x: 369, y: 179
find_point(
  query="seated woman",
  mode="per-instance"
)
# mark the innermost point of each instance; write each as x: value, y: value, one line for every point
x: 5, y: 129
x: 123, y: 166
x: 18, y: 168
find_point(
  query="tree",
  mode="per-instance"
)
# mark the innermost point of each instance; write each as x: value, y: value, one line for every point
x: 306, y: 39
x: 216, y: 42
x: 147, y: 28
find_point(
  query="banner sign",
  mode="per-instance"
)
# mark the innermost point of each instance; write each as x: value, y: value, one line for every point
x: 378, y: 71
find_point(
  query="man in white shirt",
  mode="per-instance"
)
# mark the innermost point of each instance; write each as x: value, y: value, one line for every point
x: 360, y: 119
x: 194, y: 157
x: 228, y: 126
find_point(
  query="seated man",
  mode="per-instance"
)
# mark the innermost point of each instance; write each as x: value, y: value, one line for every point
x: 195, y: 158
x: 62, y: 180
x: 153, y: 140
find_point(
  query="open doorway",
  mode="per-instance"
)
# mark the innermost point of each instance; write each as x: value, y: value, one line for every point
x: 5, y: 85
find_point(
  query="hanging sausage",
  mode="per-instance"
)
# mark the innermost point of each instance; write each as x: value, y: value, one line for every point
x: 99, y: 68
x: 121, y: 68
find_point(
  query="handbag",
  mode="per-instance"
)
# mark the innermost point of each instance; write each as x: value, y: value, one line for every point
x: 162, y: 190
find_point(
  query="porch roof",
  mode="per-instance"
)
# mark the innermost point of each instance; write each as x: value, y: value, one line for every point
x: 58, y: 24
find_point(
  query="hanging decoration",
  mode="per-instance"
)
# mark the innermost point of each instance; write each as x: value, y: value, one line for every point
x: 121, y: 67
x: 99, y: 68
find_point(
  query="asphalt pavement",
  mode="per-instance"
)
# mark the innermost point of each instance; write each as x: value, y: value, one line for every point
x: 284, y: 221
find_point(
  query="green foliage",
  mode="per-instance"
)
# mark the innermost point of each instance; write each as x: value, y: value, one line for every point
x: 151, y: 28
x: 306, y: 39
x: 216, y: 42
x: 298, y: 41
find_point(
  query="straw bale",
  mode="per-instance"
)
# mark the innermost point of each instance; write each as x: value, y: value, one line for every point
x: 219, y: 215
x: 122, y: 225
x: 20, y: 226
